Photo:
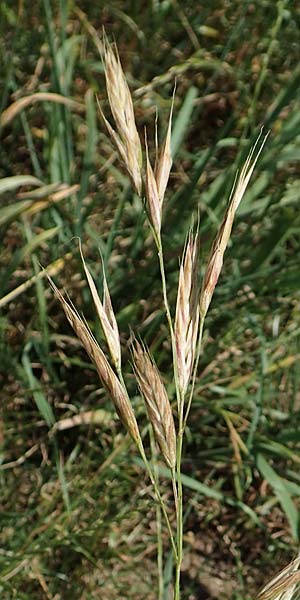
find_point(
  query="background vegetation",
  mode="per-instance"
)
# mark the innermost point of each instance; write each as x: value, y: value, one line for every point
x: 76, y: 517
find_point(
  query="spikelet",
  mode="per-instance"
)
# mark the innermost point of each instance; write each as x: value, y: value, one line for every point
x: 215, y: 261
x: 284, y: 584
x: 152, y: 195
x: 187, y: 312
x: 106, y: 316
x: 163, y: 163
x: 156, y: 401
x: 125, y: 138
x: 104, y: 370
x: 156, y: 181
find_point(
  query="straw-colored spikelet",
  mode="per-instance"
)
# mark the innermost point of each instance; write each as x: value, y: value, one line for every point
x: 187, y: 312
x: 156, y: 401
x: 125, y: 138
x: 284, y: 584
x: 106, y: 315
x: 164, y: 160
x: 152, y: 195
x: 215, y: 261
x: 104, y: 370
x: 156, y: 181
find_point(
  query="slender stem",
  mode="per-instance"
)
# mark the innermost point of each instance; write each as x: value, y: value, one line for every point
x: 160, y: 565
x: 179, y: 513
x: 175, y: 493
x: 159, y: 498
x: 182, y: 425
x: 164, y: 287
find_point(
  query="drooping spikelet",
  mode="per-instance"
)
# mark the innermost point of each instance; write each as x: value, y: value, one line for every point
x: 106, y: 315
x: 104, y: 370
x: 125, y: 138
x: 187, y: 312
x: 157, y: 402
x: 215, y: 261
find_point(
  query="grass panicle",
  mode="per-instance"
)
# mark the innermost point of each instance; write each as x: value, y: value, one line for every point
x: 191, y: 306
x: 57, y: 183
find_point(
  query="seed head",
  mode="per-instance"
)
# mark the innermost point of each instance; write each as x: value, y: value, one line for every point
x: 157, y: 180
x: 106, y: 316
x: 187, y: 312
x: 125, y: 138
x: 284, y: 584
x: 164, y: 160
x: 156, y: 401
x: 104, y: 370
x: 152, y: 195
x: 215, y: 261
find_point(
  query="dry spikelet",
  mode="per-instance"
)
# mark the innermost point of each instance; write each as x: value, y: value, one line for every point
x: 215, y: 261
x: 152, y: 196
x: 187, y: 312
x: 106, y: 316
x: 163, y: 163
x: 156, y: 181
x: 156, y: 401
x: 284, y: 584
x: 104, y: 370
x: 125, y: 138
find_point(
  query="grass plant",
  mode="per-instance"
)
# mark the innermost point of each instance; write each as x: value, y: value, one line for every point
x: 186, y: 331
x: 81, y: 524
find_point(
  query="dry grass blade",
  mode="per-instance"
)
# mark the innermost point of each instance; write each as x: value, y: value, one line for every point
x: 53, y: 269
x: 106, y: 316
x: 104, y: 370
x: 156, y: 401
x: 187, y: 312
x: 284, y: 584
x: 14, y: 109
x: 89, y: 417
x: 126, y: 138
x: 215, y: 261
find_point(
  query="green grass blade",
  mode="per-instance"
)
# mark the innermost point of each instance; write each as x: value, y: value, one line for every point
x: 8, y: 184
x: 44, y: 408
x: 280, y: 490
x: 182, y: 121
